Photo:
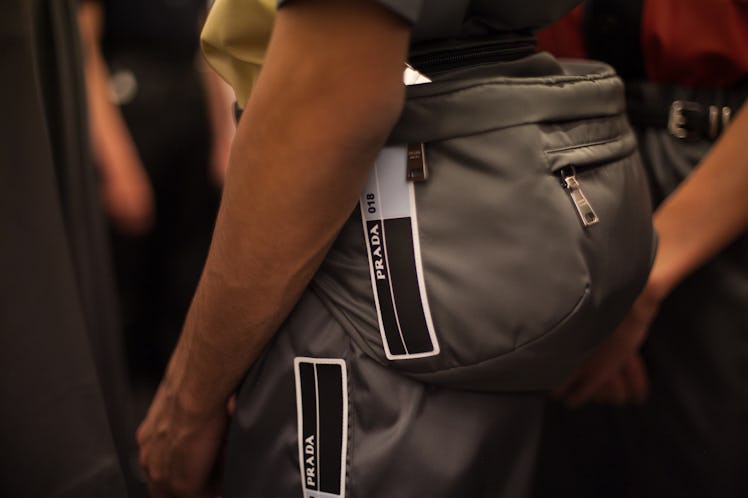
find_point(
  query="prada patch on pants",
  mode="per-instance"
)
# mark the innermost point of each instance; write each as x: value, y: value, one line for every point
x: 322, y: 411
x: 390, y: 224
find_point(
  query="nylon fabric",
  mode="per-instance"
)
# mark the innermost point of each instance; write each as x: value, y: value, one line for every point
x: 412, y: 435
x: 521, y: 293
x: 405, y: 438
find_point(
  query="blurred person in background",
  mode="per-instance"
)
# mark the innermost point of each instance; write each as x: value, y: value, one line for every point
x: 64, y: 429
x: 161, y: 127
x: 679, y: 361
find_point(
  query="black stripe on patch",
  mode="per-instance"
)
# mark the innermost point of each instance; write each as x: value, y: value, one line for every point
x: 309, y: 439
x: 398, y: 238
x: 384, y: 291
x: 330, y: 412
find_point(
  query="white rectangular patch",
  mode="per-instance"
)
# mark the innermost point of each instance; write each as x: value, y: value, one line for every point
x: 322, y: 418
x: 390, y: 224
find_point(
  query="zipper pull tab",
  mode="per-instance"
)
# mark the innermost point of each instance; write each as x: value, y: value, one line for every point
x: 584, y: 209
x: 416, y: 169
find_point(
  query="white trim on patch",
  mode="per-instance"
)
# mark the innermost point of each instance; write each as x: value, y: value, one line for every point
x: 311, y: 493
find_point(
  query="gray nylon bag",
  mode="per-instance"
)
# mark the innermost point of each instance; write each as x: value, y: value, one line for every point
x: 519, y: 289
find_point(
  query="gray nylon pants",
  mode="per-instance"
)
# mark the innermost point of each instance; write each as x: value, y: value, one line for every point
x: 405, y: 438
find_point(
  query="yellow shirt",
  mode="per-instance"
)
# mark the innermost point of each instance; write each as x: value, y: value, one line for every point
x: 234, y: 40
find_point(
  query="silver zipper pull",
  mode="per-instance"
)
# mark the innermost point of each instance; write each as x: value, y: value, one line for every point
x: 584, y: 209
x: 416, y: 169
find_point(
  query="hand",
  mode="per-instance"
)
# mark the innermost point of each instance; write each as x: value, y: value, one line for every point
x: 179, y: 449
x: 629, y: 385
x: 128, y: 197
x: 615, y: 373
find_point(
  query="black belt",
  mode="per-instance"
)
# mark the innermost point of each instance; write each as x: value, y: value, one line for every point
x: 687, y: 113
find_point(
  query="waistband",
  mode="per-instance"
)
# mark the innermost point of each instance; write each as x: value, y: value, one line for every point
x: 587, y: 89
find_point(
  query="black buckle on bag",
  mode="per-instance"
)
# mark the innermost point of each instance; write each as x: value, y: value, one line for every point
x: 690, y: 120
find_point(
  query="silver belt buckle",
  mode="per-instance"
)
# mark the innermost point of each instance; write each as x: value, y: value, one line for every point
x: 676, y: 121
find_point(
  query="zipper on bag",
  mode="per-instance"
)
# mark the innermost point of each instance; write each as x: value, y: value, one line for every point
x: 569, y: 181
x: 478, y: 53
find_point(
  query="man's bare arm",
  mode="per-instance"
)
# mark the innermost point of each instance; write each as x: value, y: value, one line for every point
x: 325, y: 101
x: 708, y: 210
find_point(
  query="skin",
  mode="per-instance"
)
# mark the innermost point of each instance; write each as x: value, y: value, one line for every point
x: 707, y: 212
x: 325, y: 101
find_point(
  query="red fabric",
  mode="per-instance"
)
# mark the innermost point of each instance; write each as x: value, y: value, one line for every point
x: 696, y: 42
x: 685, y: 42
x: 564, y: 38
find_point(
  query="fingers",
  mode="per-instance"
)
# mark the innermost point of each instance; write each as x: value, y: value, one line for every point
x: 586, y: 390
x: 589, y: 377
x: 182, y: 461
x: 593, y: 375
x: 607, y: 378
x: 612, y: 392
x: 629, y: 385
x: 181, y: 456
x: 600, y: 371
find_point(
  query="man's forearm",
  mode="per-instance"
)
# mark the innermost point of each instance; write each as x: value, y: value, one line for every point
x: 707, y: 212
x: 297, y: 167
